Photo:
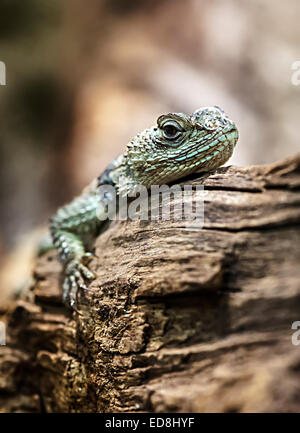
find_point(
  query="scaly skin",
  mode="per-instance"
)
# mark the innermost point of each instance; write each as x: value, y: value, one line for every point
x: 178, y: 145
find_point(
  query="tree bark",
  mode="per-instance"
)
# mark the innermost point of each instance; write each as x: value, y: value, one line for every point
x: 177, y: 319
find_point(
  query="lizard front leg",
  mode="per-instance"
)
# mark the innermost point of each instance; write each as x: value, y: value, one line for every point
x: 72, y: 228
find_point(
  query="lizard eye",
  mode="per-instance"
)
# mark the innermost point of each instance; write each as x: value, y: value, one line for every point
x: 171, y: 131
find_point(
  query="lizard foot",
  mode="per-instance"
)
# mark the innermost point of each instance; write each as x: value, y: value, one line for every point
x: 76, y: 275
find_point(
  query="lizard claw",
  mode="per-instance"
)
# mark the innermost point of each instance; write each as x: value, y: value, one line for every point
x: 86, y: 258
x: 76, y: 274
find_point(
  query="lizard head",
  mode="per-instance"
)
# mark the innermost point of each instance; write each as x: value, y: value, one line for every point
x: 179, y: 145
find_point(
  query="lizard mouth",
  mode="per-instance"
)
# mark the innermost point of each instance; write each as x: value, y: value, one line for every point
x: 228, y: 136
x: 230, y: 133
x: 222, y: 141
x: 218, y: 149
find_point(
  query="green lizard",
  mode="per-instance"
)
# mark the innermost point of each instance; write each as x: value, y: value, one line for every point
x: 177, y: 146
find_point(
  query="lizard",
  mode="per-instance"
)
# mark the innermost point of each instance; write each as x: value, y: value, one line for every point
x: 178, y: 145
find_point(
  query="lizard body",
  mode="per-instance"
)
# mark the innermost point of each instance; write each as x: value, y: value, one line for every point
x: 177, y: 146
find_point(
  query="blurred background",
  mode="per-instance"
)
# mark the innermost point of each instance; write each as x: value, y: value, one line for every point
x: 82, y: 78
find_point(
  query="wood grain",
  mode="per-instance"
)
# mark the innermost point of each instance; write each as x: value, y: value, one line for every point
x: 177, y: 319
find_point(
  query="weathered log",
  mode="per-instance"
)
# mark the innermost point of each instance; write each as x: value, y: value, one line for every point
x: 177, y: 319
